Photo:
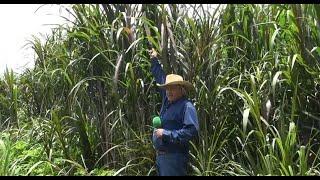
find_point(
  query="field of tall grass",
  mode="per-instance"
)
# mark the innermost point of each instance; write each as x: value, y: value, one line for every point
x: 86, y: 106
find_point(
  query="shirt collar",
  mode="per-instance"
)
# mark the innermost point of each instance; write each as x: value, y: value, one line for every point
x: 180, y: 99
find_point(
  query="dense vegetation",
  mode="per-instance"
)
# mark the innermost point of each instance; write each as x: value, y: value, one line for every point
x: 86, y: 106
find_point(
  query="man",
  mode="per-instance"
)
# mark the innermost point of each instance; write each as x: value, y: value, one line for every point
x: 178, y: 119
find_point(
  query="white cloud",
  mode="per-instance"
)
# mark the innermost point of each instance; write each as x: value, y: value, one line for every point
x: 18, y: 23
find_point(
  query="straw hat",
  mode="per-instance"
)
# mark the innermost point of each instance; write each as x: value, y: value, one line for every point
x: 174, y: 79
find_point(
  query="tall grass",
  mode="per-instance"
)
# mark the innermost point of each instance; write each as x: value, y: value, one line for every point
x: 90, y: 97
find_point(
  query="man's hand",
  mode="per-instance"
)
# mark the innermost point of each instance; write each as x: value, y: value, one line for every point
x: 153, y: 53
x: 159, y: 133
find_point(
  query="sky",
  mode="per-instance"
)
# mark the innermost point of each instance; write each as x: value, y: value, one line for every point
x: 18, y: 23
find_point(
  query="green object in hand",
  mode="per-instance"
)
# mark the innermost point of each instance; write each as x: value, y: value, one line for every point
x: 156, y: 122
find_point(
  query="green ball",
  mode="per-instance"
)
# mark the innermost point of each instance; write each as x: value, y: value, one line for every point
x: 156, y: 121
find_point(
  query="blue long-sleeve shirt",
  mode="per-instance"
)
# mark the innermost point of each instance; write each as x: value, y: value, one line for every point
x: 178, y: 119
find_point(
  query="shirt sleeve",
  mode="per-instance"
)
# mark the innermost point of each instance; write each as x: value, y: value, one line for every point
x: 189, y: 130
x: 158, y: 74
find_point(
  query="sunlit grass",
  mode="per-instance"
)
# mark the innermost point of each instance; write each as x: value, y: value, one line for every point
x: 86, y: 106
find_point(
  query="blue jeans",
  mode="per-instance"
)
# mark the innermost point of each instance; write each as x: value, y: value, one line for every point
x: 172, y: 164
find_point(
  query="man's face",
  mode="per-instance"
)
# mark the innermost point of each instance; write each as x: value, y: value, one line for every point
x: 174, y: 92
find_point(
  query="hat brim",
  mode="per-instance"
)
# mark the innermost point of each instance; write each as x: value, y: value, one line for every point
x: 186, y: 84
